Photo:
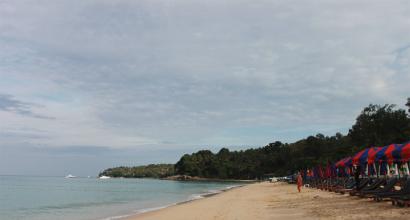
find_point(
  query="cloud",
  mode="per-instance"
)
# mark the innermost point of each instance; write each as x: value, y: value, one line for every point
x: 164, y: 74
x: 9, y: 104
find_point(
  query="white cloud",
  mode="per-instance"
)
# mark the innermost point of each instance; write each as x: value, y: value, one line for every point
x: 138, y: 73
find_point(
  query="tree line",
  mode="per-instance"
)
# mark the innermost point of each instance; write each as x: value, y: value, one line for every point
x: 148, y: 171
x: 377, y: 125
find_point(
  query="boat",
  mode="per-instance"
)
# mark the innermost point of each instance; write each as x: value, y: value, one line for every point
x: 70, y: 176
x: 104, y: 177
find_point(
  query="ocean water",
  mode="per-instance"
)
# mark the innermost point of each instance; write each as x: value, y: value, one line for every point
x: 46, y: 198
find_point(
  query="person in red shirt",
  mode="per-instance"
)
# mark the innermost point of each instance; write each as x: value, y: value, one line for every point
x: 299, y: 181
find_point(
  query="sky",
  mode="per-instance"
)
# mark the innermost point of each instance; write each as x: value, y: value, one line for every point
x: 86, y: 85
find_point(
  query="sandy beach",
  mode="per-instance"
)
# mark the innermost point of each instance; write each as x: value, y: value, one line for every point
x: 278, y: 201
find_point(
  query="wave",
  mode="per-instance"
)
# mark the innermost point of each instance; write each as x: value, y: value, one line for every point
x: 118, y: 217
x: 191, y: 198
x: 137, y: 212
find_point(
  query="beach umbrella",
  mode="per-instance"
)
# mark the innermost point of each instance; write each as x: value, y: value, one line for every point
x: 329, y: 171
x: 339, y: 168
x: 380, y: 159
x: 371, y: 169
x: 397, y: 153
x: 361, y: 157
x: 371, y: 157
x: 348, y: 162
x: 343, y: 166
x: 383, y: 168
x: 380, y: 155
x: 345, y: 162
x: 334, y: 171
x: 405, y: 152
x: 315, y: 172
x: 371, y: 154
x: 349, y: 171
x: 340, y: 162
x: 320, y: 171
x: 341, y: 172
x: 386, y: 157
x: 385, y: 154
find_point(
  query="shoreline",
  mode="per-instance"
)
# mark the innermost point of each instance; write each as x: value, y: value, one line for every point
x: 196, y: 197
x: 276, y: 201
x: 141, y: 213
x: 203, y: 179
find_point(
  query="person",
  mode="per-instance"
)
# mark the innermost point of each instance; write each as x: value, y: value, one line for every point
x: 357, y: 176
x: 299, y: 181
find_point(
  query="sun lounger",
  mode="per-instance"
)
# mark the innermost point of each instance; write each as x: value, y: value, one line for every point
x: 401, y: 200
x: 363, y: 183
x: 341, y: 183
x: 373, y: 186
x: 350, y: 184
x: 404, y: 191
x: 332, y: 183
x: 389, y: 187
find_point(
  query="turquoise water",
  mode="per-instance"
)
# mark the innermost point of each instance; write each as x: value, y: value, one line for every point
x: 47, y: 198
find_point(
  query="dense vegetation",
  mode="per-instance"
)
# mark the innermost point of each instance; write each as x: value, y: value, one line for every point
x: 375, y: 126
x: 149, y: 171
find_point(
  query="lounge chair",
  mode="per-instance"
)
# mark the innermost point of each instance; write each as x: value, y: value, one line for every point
x: 401, y: 200
x: 363, y: 183
x: 340, y: 183
x: 389, y: 187
x: 404, y: 191
x: 350, y: 184
x: 373, y: 186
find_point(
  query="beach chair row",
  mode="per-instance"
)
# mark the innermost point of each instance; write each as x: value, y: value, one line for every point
x: 394, y: 189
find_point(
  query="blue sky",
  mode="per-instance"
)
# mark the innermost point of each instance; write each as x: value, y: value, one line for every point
x: 86, y: 85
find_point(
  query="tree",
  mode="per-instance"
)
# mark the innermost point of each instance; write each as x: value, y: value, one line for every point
x: 380, y: 125
x: 408, y: 104
x: 152, y: 170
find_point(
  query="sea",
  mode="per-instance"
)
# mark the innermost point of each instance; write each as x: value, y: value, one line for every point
x: 59, y: 198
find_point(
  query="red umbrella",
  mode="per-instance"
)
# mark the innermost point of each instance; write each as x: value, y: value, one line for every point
x: 340, y: 163
x: 328, y: 171
x: 405, y: 152
x: 389, y: 153
x: 320, y: 172
x: 361, y: 154
x: 344, y: 162
x: 371, y: 155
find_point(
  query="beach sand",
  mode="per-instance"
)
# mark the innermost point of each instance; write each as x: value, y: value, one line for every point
x: 278, y: 201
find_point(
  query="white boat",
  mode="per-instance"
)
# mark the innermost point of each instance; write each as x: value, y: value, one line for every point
x: 104, y: 177
x: 70, y: 176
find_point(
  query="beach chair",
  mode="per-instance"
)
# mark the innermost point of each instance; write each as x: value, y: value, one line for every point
x: 362, y: 186
x: 388, y: 187
x: 336, y: 183
x: 401, y: 200
x: 331, y: 183
x: 404, y: 191
x: 321, y: 184
x: 363, y: 183
x: 316, y: 183
x: 350, y: 184
x: 373, y: 185
x: 376, y: 183
x: 341, y: 183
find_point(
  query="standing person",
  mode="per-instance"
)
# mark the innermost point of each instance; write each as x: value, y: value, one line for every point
x: 299, y: 181
x: 357, y: 176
